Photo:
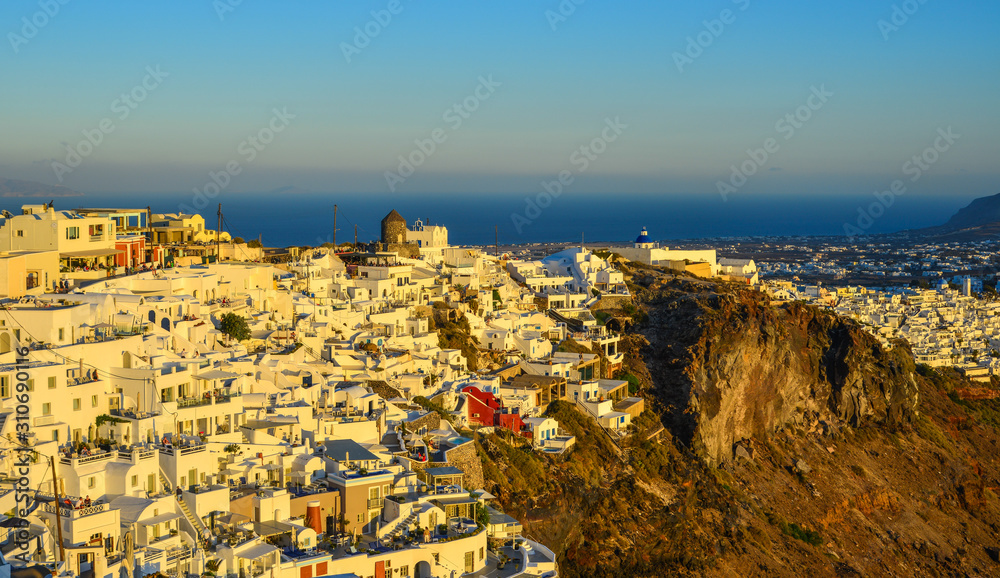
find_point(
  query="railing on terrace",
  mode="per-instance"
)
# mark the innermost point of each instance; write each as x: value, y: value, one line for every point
x: 136, y: 455
x: 75, y: 460
x: 175, y: 556
x: 132, y: 414
x: 182, y: 450
x: 75, y: 513
x: 202, y: 401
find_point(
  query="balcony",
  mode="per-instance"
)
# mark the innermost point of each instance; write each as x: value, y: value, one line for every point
x: 75, y: 460
x: 75, y: 513
x: 182, y: 450
x: 375, y: 503
x: 132, y: 414
x: 207, y: 399
x: 45, y: 420
x: 137, y: 455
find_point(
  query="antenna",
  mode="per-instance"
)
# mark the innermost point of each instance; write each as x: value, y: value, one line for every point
x: 496, y: 247
x: 218, y: 251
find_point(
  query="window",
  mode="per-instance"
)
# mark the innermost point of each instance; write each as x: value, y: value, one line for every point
x: 361, y: 518
x: 77, y: 404
x: 46, y: 409
x: 20, y: 232
x: 4, y: 386
x: 62, y: 334
x: 91, y: 482
x: 481, y: 554
x: 52, y: 382
x: 135, y: 480
x: 31, y: 384
x: 167, y: 394
x: 93, y: 401
x: 72, y: 232
x: 55, y: 435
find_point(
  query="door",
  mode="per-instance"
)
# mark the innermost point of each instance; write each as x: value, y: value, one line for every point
x: 380, y: 569
x: 470, y: 561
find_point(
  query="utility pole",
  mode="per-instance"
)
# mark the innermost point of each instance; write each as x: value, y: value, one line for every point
x: 496, y: 240
x: 218, y: 232
x: 55, y: 492
x: 355, y: 238
x: 335, y: 228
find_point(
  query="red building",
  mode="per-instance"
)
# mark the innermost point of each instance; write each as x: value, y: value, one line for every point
x: 131, y: 251
x: 484, y: 409
x: 481, y: 406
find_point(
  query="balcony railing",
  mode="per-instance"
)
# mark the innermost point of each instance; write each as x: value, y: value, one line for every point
x: 80, y: 460
x: 137, y: 455
x: 45, y: 420
x: 205, y: 400
x: 183, y: 450
x: 74, y: 513
x: 375, y: 503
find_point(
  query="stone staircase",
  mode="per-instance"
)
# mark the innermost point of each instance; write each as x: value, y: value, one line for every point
x: 404, y: 525
x: 164, y: 482
x: 197, y: 525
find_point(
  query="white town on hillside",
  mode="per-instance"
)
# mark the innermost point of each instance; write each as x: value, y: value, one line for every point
x: 147, y: 430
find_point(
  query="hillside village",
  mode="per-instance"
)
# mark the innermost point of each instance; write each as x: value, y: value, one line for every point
x: 179, y: 402
x: 944, y: 326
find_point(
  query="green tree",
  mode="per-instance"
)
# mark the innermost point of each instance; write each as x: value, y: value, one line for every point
x: 234, y: 326
x: 238, y: 240
x: 254, y: 244
x: 482, y: 515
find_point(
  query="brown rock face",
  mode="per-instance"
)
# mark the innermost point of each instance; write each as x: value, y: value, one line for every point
x: 731, y: 366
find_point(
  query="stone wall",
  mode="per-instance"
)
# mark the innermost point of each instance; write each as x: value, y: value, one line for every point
x: 611, y: 302
x: 465, y: 458
x: 430, y: 420
x: 385, y: 390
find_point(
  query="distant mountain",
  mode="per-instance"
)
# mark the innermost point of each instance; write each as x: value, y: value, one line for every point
x: 31, y: 189
x: 980, y: 219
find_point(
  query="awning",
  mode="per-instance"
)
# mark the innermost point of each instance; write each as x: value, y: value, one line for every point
x: 270, y: 528
x: 160, y: 519
x: 216, y: 374
x: 90, y: 253
x: 258, y: 551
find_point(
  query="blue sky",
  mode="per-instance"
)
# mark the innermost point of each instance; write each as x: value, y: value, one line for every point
x: 557, y: 87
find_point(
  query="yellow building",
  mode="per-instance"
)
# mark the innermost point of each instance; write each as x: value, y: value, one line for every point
x: 180, y: 228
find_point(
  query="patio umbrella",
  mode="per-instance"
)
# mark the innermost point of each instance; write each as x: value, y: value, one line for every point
x: 129, y: 555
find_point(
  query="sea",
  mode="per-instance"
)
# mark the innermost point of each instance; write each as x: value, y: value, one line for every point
x: 307, y: 218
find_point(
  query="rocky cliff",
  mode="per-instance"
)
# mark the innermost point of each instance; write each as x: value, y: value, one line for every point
x: 731, y: 366
x: 849, y: 460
